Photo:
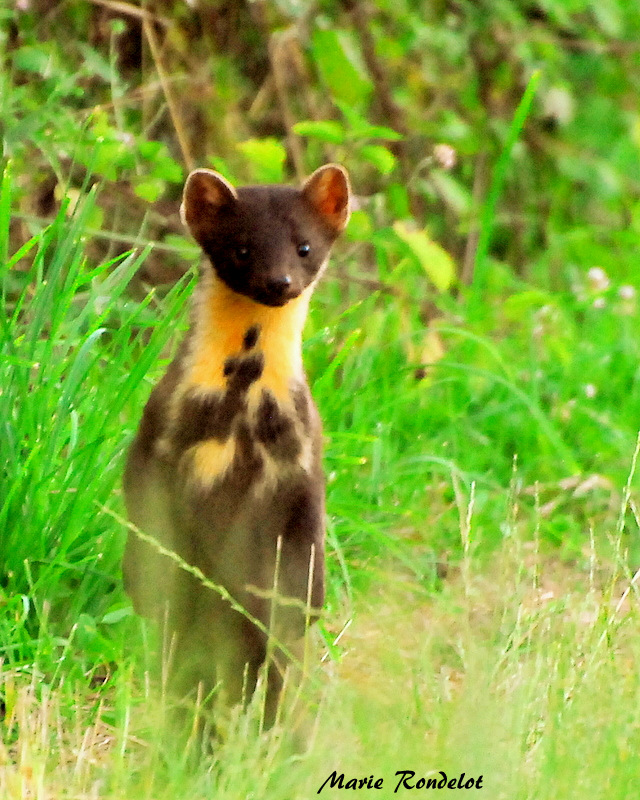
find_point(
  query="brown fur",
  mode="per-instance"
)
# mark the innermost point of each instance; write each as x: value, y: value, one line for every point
x: 227, y: 458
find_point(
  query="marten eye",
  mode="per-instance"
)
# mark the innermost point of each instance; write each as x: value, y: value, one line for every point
x: 243, y: 254
x: 304, y: 249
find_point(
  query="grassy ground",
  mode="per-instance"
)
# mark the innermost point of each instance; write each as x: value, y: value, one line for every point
x: 481, y: 609
x: 526, y: 678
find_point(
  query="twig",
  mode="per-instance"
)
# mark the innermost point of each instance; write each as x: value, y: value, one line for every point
x: 373, y: 285
x: 278, y: 44
x: 130, y: 10
x: 392, y: 112
x: 166, y: 88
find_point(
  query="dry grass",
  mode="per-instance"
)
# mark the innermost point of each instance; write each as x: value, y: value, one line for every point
x: 492, y: 675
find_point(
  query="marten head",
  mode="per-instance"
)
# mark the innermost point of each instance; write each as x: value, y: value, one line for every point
x: 267, y: 242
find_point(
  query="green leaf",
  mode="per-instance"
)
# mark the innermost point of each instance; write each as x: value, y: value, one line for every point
x: 6, y: 193
x: 518, y: 305
x: 160, y: 161
x: 498, y: 176
x: 168, y: 169
x: 150, y: 149
x: 149, y: 189
x: 95, y: 63
x: 116, y: 614
x: 108, y: 158
x: 222, y: 166
x: 398, y: 199
x: 32, y: 58
x: 95, y: 218
x: 361, y: 128
x: 608, y: 17
x: 267, y: 157
x: 324, y: 130
x: 339, y: 62
x: 380, y: 132
x: 452, y: 191
x: 433, y: 258
x: 360, y: 227
x: 378, y: 155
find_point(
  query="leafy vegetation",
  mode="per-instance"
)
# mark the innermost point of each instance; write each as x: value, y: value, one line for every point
x: 474, y: 351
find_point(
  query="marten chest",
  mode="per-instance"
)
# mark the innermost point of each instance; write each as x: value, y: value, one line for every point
x: 241, y: 413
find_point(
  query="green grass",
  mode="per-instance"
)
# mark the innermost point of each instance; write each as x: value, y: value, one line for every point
x: 484, y: 610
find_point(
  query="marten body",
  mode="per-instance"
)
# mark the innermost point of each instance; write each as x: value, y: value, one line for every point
x: 227, y: 458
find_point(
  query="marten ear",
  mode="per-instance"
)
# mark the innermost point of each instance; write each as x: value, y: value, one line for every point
x: 329, y: 193
x: 205, y: 193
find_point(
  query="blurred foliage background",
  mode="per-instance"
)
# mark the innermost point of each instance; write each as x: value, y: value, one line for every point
x: 483, y: 304
x: 415, y: 97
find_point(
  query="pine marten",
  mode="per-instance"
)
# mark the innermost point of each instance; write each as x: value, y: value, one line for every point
x: 227, y: 457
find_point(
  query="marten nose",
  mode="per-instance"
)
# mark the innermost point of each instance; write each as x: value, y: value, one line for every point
x: 278, y: 288
x: 279, y: 283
